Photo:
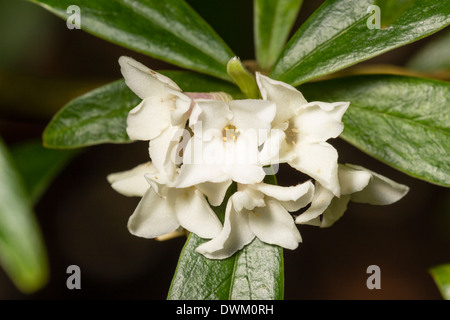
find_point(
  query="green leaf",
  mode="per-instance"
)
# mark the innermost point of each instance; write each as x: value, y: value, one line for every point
x: 254, y: 273
x: 169, y: 30
x: 433, y: 56
x: 22, y: 251
x: 402, y: 121
x: 273, y: 20
x: 441, y: 276
x: 100, y: 116
x: 391, y: 10
x: 38, y: 165
x: 96, y: 117
x: 337, y: 36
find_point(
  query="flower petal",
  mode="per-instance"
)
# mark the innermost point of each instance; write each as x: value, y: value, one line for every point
x: 163, y: 150
x: 252, y: 115
x: 247, y: 199
x: 334, y: 211
x: 352, y: 180
x: 380, y: 190
x: 306, y: 191
x: 245, y: 174
x: 320, y: 202
x: 154, y: 216
x: 148, y: 119
x: 287, y: 98
x: 273, y: 224
x: 236, y: 233
x: 319, y: 161
x: 194, y: 174
x: 143, y: 81
x: 270, y: 152
x: 194, y: 213
x: 319, y: 121
x: 215, y: 192
x: 284, y: 193
x: 132, y: 183
x: 179, y: 112
x: 209, y: 118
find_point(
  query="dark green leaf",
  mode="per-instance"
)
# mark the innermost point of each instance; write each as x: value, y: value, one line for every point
x: 391, y: 10
x: 337, y: 36
x: 94, y: 118
x: 38, y: 166
x: 273, y: 19
x: 254, y: 273
x: 22, y: 251
x: 169, y: 30
x: 441, y: 276
x: 402, y: 121
x: 100, y: 115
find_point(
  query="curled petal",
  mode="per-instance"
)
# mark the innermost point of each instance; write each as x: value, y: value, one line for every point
x: 352, y: 180
x: 180, y: 108
x: 163, y: 150
x: 334, y: 211
x: 194, y: 174
x: 319, y: 161
x: 380, y: 190
x: 149, y: 119
x: 273, y: 224
x: 287, y: 98
x: 234, y: 236
x: 194, y: 213
x: 285, y: 193
x: 143, y: 81
x: 320, y: 202
x: 215, y: 192
x: 132, y: 183
x: 248, y: 199
x: 319, y: 121
x: 252, y: 114
x: 154, y: 216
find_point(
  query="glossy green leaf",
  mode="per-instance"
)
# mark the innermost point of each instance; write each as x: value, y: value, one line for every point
x: 100, y: 116
x: 434, y: 56
x: 391, y: 10
x: 402, y: 121
x: 22, y: 251
x: 169, y: 30
x: 38, y: 165
x: 441, y: 276
x: 254, y: 273
x: 273, y: 20
x: 337, y: 36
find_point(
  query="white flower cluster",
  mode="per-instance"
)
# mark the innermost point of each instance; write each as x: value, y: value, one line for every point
x: 200, y: 143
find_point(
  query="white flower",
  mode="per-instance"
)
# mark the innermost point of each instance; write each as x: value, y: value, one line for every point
x: 357, y: 184
x: 260, y: 210
x: 226, y: 140
x: 163, y: 103
x: 307, y: 127
x: 163, y: 208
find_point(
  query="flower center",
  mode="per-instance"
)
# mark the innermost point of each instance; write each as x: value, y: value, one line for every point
x: 230, y: 132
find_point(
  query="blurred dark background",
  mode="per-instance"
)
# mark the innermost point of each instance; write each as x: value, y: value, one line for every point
x: 43, y: 65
